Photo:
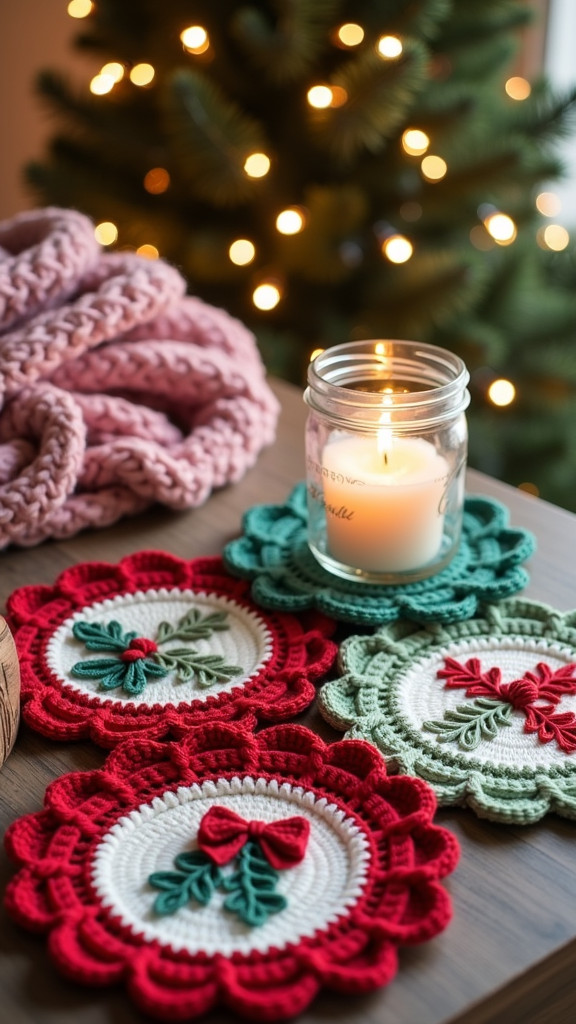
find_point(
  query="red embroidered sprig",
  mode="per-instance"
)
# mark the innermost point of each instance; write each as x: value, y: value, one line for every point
x: 542, y: 684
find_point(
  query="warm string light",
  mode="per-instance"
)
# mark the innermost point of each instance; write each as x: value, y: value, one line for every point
x: 150, y: 252
x: 102, y: 84
x: 156, y: 180
x: 107, y: 78
x: 554, y: 237
x: 266, y: 296
x: 415, y: 141
x: 548, y: 204
x: 242, y: 252
x: 320, y: 96
x: 195, y: 39
x: 316, y: 352
x: 257, y: 165
x: 501, y: 227
x: 433, y: 168
x: 106, y: 233
x: 290, y: 221
x: 518, y: 88
x: 389, y: 47
x: 501, y: 392
x: 142, y: 74
x: 397, y: 248
x: 79, y: 8
x: 349, y: 35
x: 114, y: 69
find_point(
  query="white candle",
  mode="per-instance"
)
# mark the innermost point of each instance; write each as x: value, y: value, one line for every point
x: 383, y: 500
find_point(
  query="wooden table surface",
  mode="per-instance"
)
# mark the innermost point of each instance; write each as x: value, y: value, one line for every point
x: 509, y: 953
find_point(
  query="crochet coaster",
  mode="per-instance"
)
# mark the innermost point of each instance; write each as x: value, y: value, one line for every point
x: 156, y: 644
x: 274, y: 554
x: 485, y: 710
x: 230, y: 868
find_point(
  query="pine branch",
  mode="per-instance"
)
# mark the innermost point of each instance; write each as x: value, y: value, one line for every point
x: 379, y: 93
x: 285, y: 42
x: 210, y: 138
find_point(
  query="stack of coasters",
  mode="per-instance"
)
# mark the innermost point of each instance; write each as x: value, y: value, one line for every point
x: 156, y: 644
x: 230, y: 868
x: 485, y: 710
x: 273, y: 553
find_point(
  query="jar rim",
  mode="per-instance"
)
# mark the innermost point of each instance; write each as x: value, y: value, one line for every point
x: 332, y: 373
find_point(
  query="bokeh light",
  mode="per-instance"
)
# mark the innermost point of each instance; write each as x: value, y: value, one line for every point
x: 501, y: 392
x: 157, y: 180
x: 242, y: 252
x: 106, y: 232
x: 397, y: 249
x: 433, y: 168
x: 266, y: 296
x: 195, y: 39
x: 142, y: 74
x: 290, y: 221
x: 257, y: 165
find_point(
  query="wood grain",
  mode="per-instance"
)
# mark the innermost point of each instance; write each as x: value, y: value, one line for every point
x: 9, y: 691
x: 509, y: 955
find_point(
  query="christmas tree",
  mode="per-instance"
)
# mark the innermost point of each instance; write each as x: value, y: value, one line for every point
x: 331, y: 170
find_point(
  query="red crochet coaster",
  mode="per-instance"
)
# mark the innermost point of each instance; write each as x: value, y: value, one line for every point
x: 233, y: 869
x: 154, y: 645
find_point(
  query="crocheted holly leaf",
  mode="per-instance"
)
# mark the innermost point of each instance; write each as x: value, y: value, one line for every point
x: 113, y: 673
x: 273, y: 553
x: 193, y: 626
x: 98, y: 636
x: 197, y: 879
x: 252, y: 887
x: 205, y: 668
x: 510, y: 752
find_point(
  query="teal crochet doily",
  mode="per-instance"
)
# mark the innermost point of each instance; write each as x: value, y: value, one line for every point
x: 484, y: 711
x: 274, y: 554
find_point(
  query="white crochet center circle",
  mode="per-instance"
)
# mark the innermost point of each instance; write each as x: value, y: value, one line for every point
x: 319, y: 890
x: 247, y: 643
x: 422, y: 697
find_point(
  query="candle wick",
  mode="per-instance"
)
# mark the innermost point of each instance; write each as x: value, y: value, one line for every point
x: 385, y: 458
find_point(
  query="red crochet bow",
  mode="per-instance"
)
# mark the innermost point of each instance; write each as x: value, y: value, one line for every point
x: 223, y: 833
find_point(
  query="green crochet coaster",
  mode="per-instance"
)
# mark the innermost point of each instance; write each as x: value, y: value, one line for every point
x: 484, y: 710
x: 274, y: 554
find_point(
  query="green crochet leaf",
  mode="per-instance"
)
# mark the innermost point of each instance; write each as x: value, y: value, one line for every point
x: 193, y: 626
x: 469, y: 724
x: 98, y: 636
x: 197, y: 879
x: 252, y: 887
x: 189, y: 664
x: 114, y: 673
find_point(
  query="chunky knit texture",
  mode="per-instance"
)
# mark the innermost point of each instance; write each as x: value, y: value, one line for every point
x: 97, y: 872
x: 116, y: 389
x: 273, y: 552
x: 483, y: 710
x: 156, y: 644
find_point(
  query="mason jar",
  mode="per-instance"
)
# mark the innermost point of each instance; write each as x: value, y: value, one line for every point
x: 386, y: 449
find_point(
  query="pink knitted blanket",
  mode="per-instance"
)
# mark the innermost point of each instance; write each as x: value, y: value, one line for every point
x: 116, y: 389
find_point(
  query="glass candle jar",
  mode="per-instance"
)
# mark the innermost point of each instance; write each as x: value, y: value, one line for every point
x: 386, y: 449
